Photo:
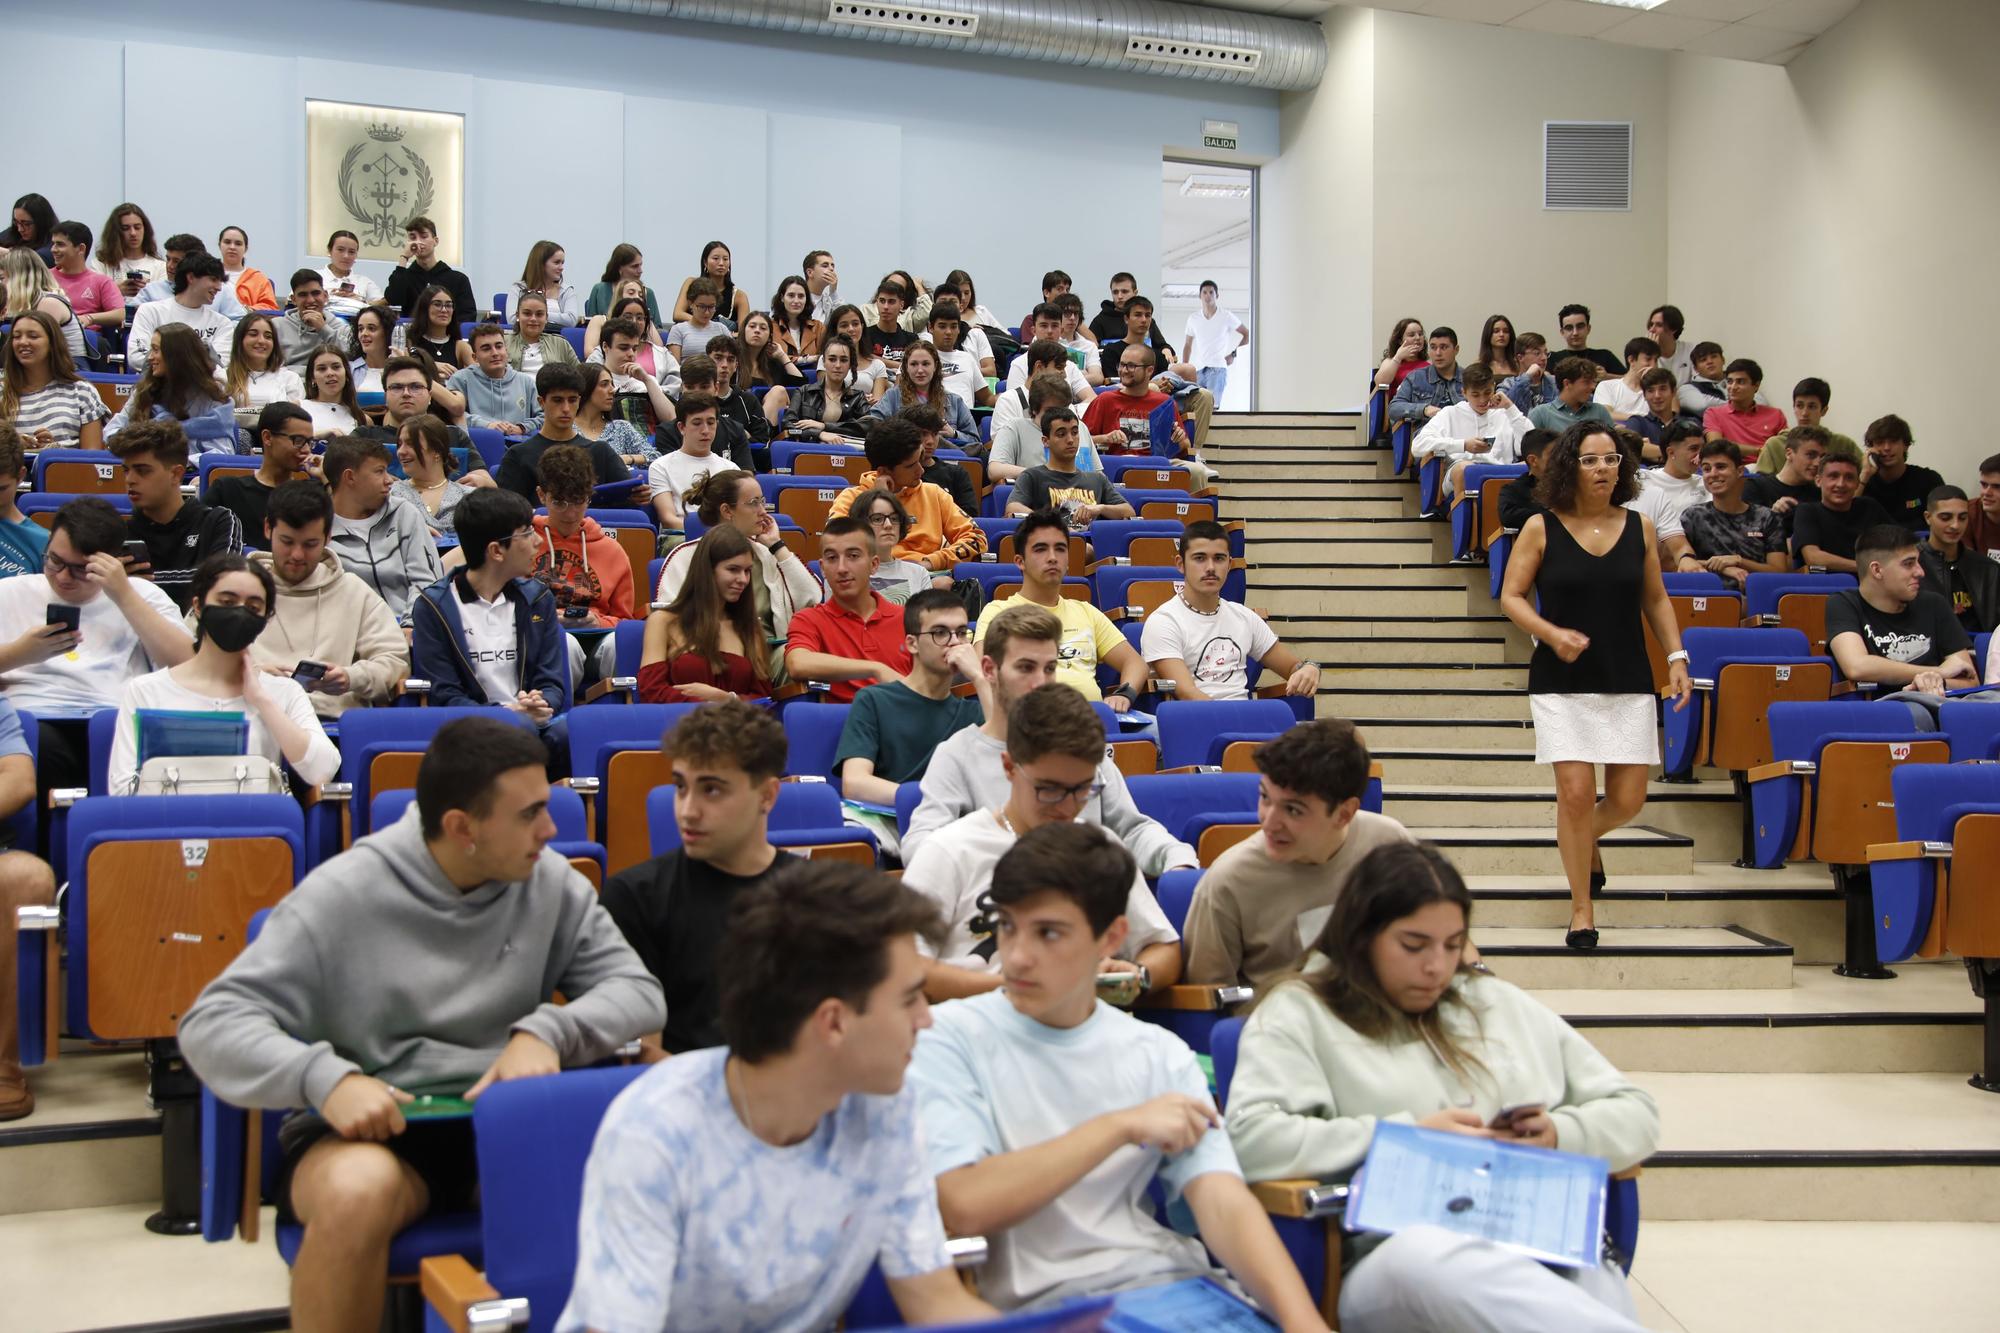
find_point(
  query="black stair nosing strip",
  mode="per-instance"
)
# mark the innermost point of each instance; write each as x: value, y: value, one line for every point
x: 1512, y: 723
x: 1774, y: 1022
x: 1472, y: 692
x: 1349, y: 618
x: 79, y: 1131
x: 240, y: 1321
x: 1791, y: 1158
x: 1676, y: 794
x: 1618, y: 895
x: 1528, y: 837
x: 1757, y: 946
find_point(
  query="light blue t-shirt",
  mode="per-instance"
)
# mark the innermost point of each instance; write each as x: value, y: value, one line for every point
x: 692, y: 1223
x: 23, y: 546
x: 990, y: 1080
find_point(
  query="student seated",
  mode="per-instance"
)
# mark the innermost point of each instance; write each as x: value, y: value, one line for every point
x: 489, y: 634
x: 1519, y: 500
x: 1018, y: 442
x: 1894, y: 632
x: 1203, y: 644
x: 1669, y: 491
x: 497, y: 396
x: 1120, y: 420
x: 831, y: 408
x: 1953, y: 570
x: 419, y: 268
x: 1892, y: 481
x: 560, y: 389
x: 1810, y: 397
x: 1041, y: 543
x: 25, y: 881
x: 322, y: 615
x: 727, y: 761
x: 1261, y: 905
x: 1573, y: 322
x: 963, y: 372
x: 705, y: 645
x: 178, y: 533
x: 1743, y: 419
x: 1178, y: 379
x: 530, y: 345
x: 1054, y: 745
x: 1661, y: 410
x: 889, y: 330
x: 1532, y: 386
x: 799, y: 1130
x: 1047, y: 1113
x: 424, y: 449
x: 1327, y: 1056
x: 385, y: 541
x: 738, y: 406
x: 1018, y: 652
x: 406, y: 397
x: 584, y: 566
x: 941, y: 534
x: 348, y: 292
x: 701, y: 375
x: 1625, y: 396
x: 1036, y: 358
x: 1480, y: 427
x: 285, y: 442
x: 1824, y: 531
x: 1429, y: 391
x: 920, y: 383
x: 1984, y: 531
x: 783, y: 585
x: 898, y: 580
x: 420, y: 962
x: 191, y: 305
x: 1575, y: 379
x: 893, y: 728
x: 855, y: 637
x: 639, y: 395
x: 232, y: 602
x: 329, y: 397
x: 1703, y: 388
x: 943, y: 473
x: 125, y: 627
x: 179, y: 384
x: 307, y: 327
x: 1729, y: 535
x: 24, y: 543
x: 1797, y: 482
x: 41, y: 394
x: 1081, y: 497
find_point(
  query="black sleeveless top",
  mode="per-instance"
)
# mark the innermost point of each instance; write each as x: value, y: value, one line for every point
x: 1600, y: 596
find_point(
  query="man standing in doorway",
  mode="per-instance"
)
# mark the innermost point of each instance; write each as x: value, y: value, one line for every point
x: 1211, y: 340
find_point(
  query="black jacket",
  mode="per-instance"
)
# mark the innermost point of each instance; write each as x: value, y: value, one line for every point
x: 408, y: 282
x: 1978, y: 577
x: 177, y: 546
x: 810, y: 402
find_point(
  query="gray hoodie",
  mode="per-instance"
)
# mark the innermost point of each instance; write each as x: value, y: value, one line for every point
x: 377, y: 964
x: 391, y: 550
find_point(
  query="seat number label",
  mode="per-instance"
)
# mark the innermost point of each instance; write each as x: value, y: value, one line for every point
x: 1784, y: 674
x: 1701, y: 604
x: 104, y: 471
x: 194, y: 851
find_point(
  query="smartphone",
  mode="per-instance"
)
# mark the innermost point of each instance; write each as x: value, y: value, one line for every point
x: 1505, y: 1117
x: 1119, y: 980
x: 437, y: 1108
x: 308, y: 673
x: 135, y: 275
x: 69, y: 617
x: 138, y: 554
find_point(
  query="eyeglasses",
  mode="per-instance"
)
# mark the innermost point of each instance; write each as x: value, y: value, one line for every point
x: 524, y: 535
x: 405, y: 386
x: 944, y: 636
x: 303, y: 441
x: 1599, y: 460
x: 755, y: 504
x: 1054, y: 793
x: 884, y: 520
x: 57, y: 566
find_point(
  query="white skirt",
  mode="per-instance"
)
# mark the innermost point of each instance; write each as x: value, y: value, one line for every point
x: 1596, y: 728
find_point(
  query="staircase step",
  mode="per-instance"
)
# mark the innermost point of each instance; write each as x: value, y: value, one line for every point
x: 1459, y: 704
x: 1277, y: 552
x: 1490, y: 851
x: 1428, y: 675
x: 1656, y: 957
x: 1707, y: 812
x: 1329, y: 651
x: 1362, y: 466
x: 1823, y: 1147
x: 1283, y: 526
x: 1314, y: 507
x: 1318, y: 599
x: 1797, y: 905
x: 92, y: 1140
x: 1336, y: 570
x: 1350, y: 417
x: 1474, y: 734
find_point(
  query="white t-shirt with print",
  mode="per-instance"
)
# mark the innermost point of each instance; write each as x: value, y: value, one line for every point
x: 491, y: 646
x: 955, y: 867
x: 1214, y: 337
x: 961, y: 373
x: 689, y: 1221
x: 1079, y: 387
x: 675, y: 474
x: 1663, y: 499
x: 94, y: 674
x: 1217, y: 649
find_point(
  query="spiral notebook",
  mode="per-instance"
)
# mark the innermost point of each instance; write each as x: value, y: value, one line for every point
x: 1546, y: 1204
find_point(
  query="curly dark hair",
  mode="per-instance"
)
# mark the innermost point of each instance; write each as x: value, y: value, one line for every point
x: 1557, y: 489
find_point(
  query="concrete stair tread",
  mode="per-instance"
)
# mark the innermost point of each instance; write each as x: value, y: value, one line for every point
x: 1707, y: 878
x: 1891, y: 1117
x: 1655, y: 791
x: 1630, y: 836
x: 84, y: 1087
x: 1922, y: 991
x: 1628, y: 941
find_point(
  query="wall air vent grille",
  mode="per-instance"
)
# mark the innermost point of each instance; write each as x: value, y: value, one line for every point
x: 1587, y: 165
x: 904, y: 18
x: 1204, y: 55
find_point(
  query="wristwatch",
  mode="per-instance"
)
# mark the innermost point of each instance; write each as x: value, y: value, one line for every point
x: 1677, y: 655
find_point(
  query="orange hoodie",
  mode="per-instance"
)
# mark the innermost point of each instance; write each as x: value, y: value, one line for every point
x: 941, y: 535
x: 587, y: 568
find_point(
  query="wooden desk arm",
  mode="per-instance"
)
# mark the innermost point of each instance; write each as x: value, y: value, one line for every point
x: 625, y: 685
x: 1783, y: 768
x: 1196, y: 999
x: 462, y: 1298
x: 1629, y: 1173
x: 1881, y: 853
x: 1300, y: 1198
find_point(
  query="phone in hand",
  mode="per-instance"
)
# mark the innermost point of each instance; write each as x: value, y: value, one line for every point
x: 308, y: 673
x: 69, y: 617
x: 1505, y: 1117
x: 136, y: 553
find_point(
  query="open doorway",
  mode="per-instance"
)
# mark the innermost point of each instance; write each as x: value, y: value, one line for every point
x: 1208, y: 231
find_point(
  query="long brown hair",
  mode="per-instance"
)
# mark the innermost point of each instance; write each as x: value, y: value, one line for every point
x: 186, y: 370
x: 62, y: 370
x: 1557, y: 488
x: 935, y: 395
x: 238, y: 383
x: 1390, y: 883
x: 346, y: 398
x: 698, y: 614
x: 1395, y: 342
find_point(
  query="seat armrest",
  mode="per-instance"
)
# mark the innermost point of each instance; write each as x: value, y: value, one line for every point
x: 967, y: 1251
x: 625, y: 685
x: 1783, y: 768
x: 1300, y: 1198
x: 330, y: 793
x: 1629, y: 1173
x: 62, y: 798
x: 1199, y: 999
x: 1880, y: 853
x: 462, y: 1299
x: 1188, y: 768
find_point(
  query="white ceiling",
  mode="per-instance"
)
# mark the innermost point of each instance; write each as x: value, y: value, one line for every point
x: 1770, y: 31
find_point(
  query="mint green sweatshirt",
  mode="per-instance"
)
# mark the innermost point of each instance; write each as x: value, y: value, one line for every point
x: 377, y: 964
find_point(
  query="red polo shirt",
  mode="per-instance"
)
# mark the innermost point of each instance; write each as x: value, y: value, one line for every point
x: 1749, y: 429
x: 832, y: 629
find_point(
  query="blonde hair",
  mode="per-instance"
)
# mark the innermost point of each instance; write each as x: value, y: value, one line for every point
x: 28, y: 280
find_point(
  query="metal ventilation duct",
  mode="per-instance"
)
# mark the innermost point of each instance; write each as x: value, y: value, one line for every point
x: 1137, y: 36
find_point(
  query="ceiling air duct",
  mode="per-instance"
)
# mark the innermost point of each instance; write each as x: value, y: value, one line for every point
x: 1135, y: 36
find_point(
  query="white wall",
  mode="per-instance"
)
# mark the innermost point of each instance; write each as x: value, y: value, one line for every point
x: 1838, y: 218
x: 594, y: 128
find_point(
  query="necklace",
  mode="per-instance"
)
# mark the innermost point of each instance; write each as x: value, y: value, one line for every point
x: 435, y: 487
x: 1182, y: 594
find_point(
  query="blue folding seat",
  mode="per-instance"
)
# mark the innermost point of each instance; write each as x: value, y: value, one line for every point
x: 380, y: 749
x: 1737, y: 675
x: 806, y: 818
x: 1200, y: 732
x: 1211, y: 812
x: 573, y: 838
x: 812, y: 735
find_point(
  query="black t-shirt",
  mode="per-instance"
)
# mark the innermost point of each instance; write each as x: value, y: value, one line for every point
x: 1108, y: 357
x: 1831, y: 530
x: 1905, y: 497
x: 957, y: 483
x: 1922, y: 634
x: 1764, y: 488
x: 1518, y: 503
x: 671, y: 910
x: 248, y: 499
x: 878, y: 341
x: 1042, y: 487
x: 517, y: 469
x: 409, y: 281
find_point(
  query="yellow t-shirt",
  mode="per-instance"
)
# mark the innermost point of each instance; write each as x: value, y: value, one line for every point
x: 1088, y: 636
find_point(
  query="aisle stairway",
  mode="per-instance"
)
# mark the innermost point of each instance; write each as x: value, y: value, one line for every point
x: 1788, y: 1095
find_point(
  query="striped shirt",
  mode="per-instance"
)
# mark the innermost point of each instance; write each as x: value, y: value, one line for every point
x: 63, y: 409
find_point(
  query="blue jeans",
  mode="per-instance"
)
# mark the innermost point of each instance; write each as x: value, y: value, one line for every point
x: 1212, y: 378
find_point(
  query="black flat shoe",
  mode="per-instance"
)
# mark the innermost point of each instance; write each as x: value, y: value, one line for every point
x: 1597, y: 883
x: 1581, y: 939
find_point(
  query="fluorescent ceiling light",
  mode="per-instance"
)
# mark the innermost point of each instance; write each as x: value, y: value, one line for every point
x: 1179, y: 291
x: 1214, y: 187
x: 1631, y: 4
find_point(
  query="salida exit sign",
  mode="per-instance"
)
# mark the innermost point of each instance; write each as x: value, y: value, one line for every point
x: 1219, y: 134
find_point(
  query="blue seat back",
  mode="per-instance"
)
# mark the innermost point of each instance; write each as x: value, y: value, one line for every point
x: 811, y: 806
x: 1973, y: 727
x: 1176, y: 800
x: 1707, y: 648
x: 1113, y: 536
x: 1926, y: 793
x: 1761, y: 592
x: 23, y: 824
x: 1797, y: 728
x: 628, y: 639
x: 368, y: 732
x: 812, y: 734
x: 1222, y: 1044
x: 995, y: 503
x: 1189, y: 727
x: 1697, y: 582
x: 533, y: 1138
x: 31, y: 503
x: 565, y: 807
x: 595, y: 734
x: 1175, y: 894
x: 573, y: 335
x: 1113, y: 580
x: 489, y: 444
x: 909, y: 795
